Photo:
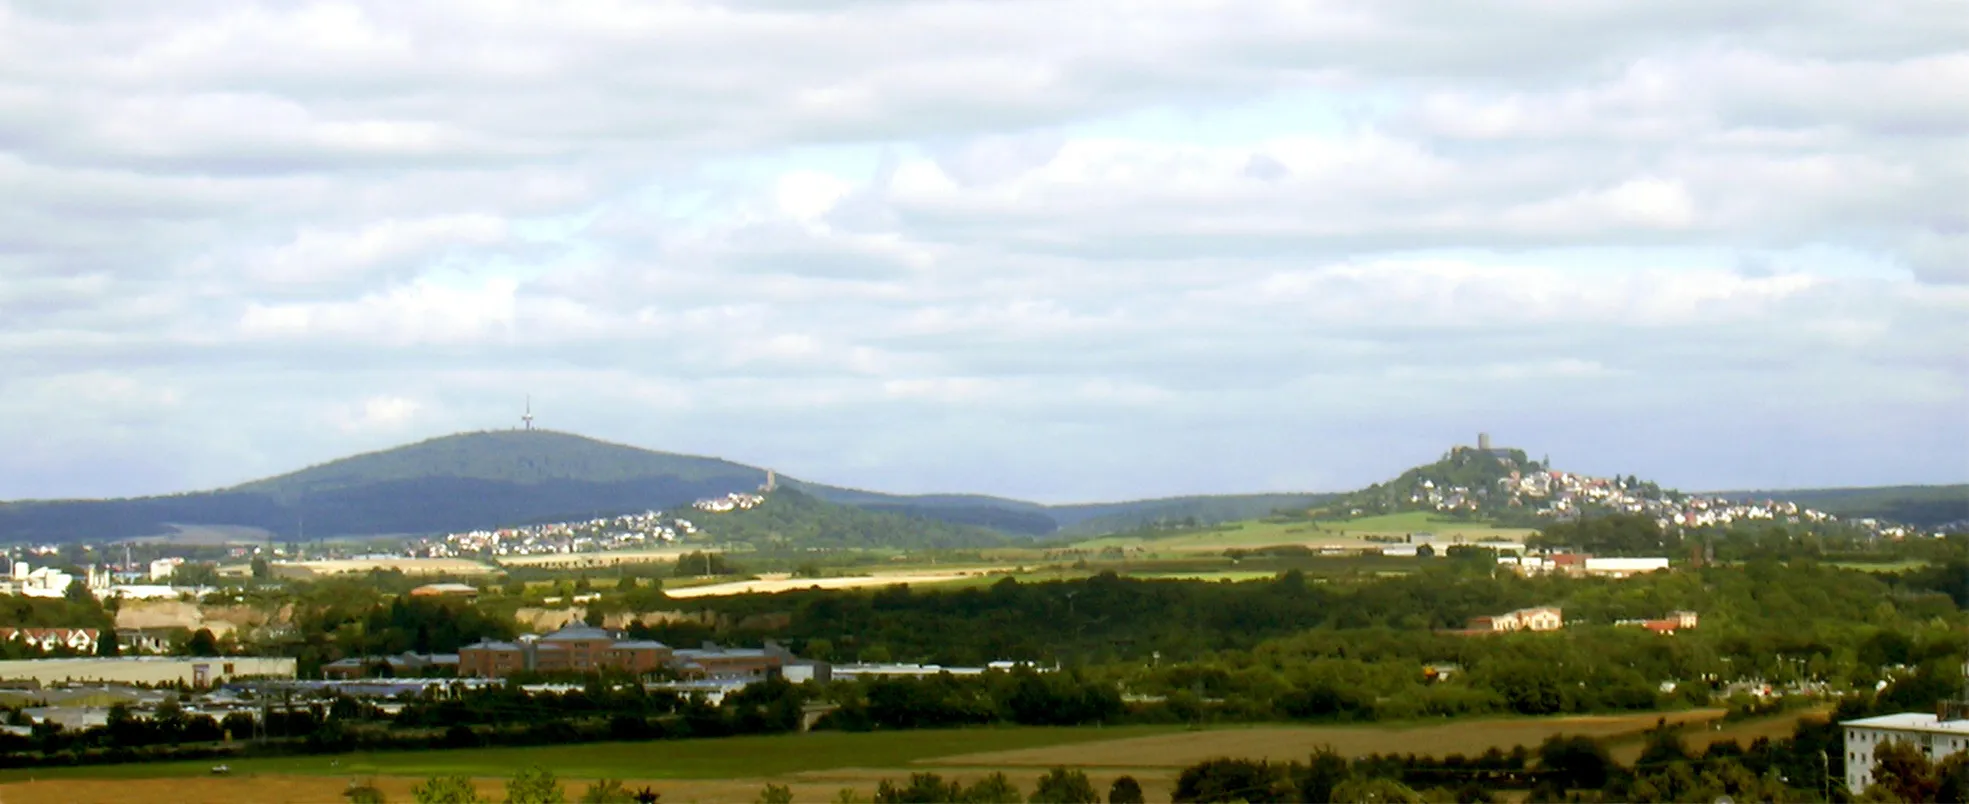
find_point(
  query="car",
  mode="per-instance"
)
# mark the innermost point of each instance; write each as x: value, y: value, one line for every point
x: 221, y: 770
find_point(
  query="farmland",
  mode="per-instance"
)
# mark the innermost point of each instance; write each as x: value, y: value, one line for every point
x: 817, y: 765
x: 407, y: 566
x: 1356, y: 533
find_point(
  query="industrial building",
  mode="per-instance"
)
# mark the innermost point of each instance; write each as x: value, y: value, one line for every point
x: 581, y: 649
x: 197, y: 671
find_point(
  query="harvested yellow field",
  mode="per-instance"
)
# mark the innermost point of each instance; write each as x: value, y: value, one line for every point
x: 1287, y: 743
x: 408, y: 566
x: 1743, y: 732
x: 782, y: 583
x: 602, y: 559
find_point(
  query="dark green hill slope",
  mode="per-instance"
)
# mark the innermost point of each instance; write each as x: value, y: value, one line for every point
x: 458, y: 482
x: 1924, y: 506
x: 1094, y: 519
x: 520, y: 457
x: 791, y: 518
x: 1476, y: 470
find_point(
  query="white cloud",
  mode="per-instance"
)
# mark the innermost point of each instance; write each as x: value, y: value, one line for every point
x: 378, y: 413
x: 1088, y: 247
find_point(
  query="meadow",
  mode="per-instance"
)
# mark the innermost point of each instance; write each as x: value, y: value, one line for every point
x: 817, y: 765
x: 1350, y: 534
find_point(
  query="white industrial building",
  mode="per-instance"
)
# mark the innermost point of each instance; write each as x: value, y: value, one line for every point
x: 1937, y: 738
x: 197, y: 671
x: 26, y: 581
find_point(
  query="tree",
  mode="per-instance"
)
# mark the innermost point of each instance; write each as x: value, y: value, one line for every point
x: 1575, y: 763
x: 607, y: 791
x: 78, y: 592
x: 923, y: 788
x: 994, y: 789
x: 1224, y: 780
x: 363, y: 792
x: 534, y: 785
x: 593, y: 617
x: 1063, y: 786
x: 1325, y: 773
x: 1126, y: 790
x: 261, y: 569
x: 1952, y: 780
x: 776, y: 794
x: 202, y: 643
x: 446, y: 790
x: 1375, y: 791
x: 1903, y: 772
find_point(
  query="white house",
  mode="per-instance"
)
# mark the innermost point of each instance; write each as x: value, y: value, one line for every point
x: 43, y: 582
x: 1935, y: 737
x: 164, y: 568
x: 1623, y: 567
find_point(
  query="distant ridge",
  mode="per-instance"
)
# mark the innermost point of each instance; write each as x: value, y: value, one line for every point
x: 499, y: 478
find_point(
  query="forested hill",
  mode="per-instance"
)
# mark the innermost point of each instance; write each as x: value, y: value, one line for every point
x: 1926, y: 506
x: 518, y: 457
x: 792, y: 519
x: 1462, y: 468
x: 503, y: 478
x: 457, y: 482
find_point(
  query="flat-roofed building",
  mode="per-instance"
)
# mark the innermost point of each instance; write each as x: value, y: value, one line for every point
x: 1934, y: 737
x: 639, y: 656
x: 196, y: 671
x: 489, y: 658
x: 581, y: 648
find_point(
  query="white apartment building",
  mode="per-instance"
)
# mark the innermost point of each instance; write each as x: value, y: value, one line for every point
x: 1935, y: 737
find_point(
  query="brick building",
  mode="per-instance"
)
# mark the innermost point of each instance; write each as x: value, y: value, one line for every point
x: 584, y: 649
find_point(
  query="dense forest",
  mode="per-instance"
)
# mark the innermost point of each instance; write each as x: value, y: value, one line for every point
x: 790, y: 518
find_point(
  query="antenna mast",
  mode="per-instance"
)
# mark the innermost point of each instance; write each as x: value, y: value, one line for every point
x: 526, y: 419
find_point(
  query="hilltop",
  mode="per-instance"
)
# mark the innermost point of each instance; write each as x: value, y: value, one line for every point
x: 495, y: 479
x: 1504, y: 486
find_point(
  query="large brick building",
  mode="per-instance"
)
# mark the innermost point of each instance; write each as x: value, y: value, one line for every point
x: 583, y: 649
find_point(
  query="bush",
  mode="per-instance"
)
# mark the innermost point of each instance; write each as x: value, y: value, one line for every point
x: 1062, y: 786
x: 993, y: 789
x: 776, y: 794
x: 1126, y: 790
x: 446, y: 790
x: 923, y: 788
x: 1214, y: 780
x: 607, y: 791
x: 364, y: 792
x: 534, y: 785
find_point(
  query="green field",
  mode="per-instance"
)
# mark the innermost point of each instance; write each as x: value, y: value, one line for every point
x: 1268, y: 533
x: 726, y: 758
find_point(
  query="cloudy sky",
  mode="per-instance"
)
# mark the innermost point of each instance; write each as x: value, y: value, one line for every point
x: 1062, y: 250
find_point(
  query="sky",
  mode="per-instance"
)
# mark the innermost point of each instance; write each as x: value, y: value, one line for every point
x: 1063, y: 250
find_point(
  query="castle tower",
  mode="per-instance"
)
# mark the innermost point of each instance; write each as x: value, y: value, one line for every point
x: 1483, y: 441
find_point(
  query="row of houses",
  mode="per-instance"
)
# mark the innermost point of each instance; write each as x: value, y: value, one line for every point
x: 1536, y: 618
x: 1675, y: 621
x: 77, y: 640
x: 1581, y: 564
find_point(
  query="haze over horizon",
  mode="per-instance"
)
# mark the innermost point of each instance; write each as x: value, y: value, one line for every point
x: 1061, y: 252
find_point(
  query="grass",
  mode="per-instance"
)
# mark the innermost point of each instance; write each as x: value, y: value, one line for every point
x: 1265, y: 533
x: 1287, y: 743
x: 734, y: 757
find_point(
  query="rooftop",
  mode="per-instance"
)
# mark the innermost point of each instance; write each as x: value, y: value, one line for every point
x: 573, y: 632
x: 1911, y: 721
